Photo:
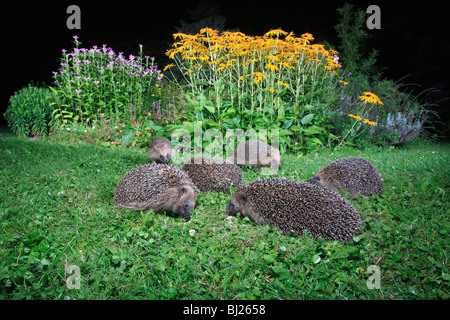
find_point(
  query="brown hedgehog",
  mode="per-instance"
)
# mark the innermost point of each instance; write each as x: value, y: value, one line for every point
x: 353, y: 175
x: 161, y: 150
x: 212, y: 174
x: 298, y: 206
x: 157, y: 187
x: 257, y: 154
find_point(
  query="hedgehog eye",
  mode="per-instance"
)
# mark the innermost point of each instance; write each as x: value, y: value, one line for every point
x: 244, y: 198
x: 183, y: 191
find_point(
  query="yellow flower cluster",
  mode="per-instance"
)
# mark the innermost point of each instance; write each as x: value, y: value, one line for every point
x: 276, y: 51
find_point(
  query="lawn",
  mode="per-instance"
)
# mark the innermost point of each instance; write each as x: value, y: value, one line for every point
x: 56, y: 212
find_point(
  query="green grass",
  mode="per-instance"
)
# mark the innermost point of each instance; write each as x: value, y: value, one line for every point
x: 56, y: 210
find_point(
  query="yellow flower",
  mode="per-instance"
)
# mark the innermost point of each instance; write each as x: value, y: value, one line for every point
x: 273, y: 58
x: 284, y: 64
x: 209, y: 31
x: 178, y: 35
x: 343, y: 82
x: 371, y: 123
x: 271, y: 67
x: 258, y: 76
x: 356, y: 117
x: 270, y: 89
x: 369, y: 97
x: 168, y: 66
x: 283, y: 84
x: 276, y: 32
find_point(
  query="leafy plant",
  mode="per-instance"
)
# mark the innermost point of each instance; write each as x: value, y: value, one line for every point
x: 29, y: 111
x: 98, y: 84
x: 353, y: 35
x: 276, y: 81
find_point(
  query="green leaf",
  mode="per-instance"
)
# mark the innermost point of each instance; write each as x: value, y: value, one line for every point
x: 287, y: 124
x: 307, y: 119
x: 284, y: 132
x: 210, y: 108
x: 128, y: 135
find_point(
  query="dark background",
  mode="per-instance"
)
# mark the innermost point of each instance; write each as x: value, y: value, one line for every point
x: 413, y: 42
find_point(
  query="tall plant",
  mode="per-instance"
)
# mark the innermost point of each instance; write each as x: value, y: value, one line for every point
x: 353, y: 35
x: 276, y: 80
x: 98, y: 83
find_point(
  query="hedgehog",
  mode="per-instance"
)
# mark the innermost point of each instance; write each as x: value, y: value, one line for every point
x: 157, y: 187
x: 297, y: 206
x: 212, y: 174
x: 257, y: 154
x: 353, y: 175
x: 161, y: 150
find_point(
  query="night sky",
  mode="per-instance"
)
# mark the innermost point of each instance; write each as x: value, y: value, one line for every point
x: 413, y: 42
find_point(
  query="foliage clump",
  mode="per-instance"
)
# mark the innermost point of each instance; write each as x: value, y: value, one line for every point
x: 29, y: 111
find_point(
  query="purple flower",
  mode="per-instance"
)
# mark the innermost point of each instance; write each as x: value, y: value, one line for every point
x: 96, y: 82
x: 87, y: 78
x: 75, y: 37
x: 77, y: 91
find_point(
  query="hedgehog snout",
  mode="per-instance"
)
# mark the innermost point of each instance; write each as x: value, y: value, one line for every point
x: 231, y: 209
x: 164, y: 159
x: 185, y: 210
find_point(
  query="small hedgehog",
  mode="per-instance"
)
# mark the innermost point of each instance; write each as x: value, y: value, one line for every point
x: 213, y: 174
x: 298, y: 206
x: 257, y: 154
x: 157, y: 187
x: 353, y: 175
x: 160, y: 150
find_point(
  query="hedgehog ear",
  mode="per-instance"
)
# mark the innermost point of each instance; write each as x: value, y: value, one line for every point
x: 182, y: 191
x: 244, y: 198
